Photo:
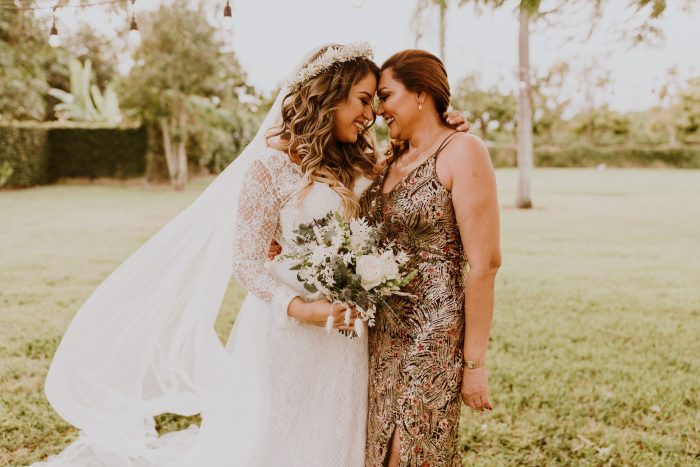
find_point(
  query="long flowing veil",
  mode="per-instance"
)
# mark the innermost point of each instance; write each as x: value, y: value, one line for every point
x: 144, y: 342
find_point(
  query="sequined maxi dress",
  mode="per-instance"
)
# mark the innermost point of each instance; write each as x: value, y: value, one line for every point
x: 416, y: 347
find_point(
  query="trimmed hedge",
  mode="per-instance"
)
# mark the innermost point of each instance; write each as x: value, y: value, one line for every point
x: 97, y: 152
x: 39, y: 153
x: 587, y: 156
x: 25, y: 149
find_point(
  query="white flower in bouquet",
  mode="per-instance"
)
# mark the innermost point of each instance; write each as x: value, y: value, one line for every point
x: 359, y: 233
x: 371, y: 268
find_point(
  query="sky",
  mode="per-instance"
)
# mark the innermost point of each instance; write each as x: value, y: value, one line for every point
x: 271, y: 36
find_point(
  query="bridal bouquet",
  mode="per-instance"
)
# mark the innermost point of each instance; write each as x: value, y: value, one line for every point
x: 349, y: 263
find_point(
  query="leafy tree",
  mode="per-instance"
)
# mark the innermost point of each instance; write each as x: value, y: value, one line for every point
x: 529, y: 11
x: 549, y: 101
x: 689, y: 102
x: 86, y: 43
x: 593, y: 80
x: 489, y: 109
x: 24, y: 55
x: 424, y: 7
x: 180, y: 65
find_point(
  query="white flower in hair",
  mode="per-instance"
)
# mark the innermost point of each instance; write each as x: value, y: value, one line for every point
x: 334, y: 54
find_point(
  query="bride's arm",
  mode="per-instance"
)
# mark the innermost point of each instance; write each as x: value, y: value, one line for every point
x: 258, y: 214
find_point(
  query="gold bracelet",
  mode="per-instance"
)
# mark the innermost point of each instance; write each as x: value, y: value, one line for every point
x: 470, y: 365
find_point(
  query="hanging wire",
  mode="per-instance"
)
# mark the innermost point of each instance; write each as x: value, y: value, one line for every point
x: 13, y: 6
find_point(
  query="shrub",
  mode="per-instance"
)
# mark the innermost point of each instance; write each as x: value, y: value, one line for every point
x: 38, y: 153
x: 590, y: 156
x: 24, y: 154
x: 97, y: 152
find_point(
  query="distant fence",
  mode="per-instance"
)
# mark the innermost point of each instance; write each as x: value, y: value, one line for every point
x: 37, y: 153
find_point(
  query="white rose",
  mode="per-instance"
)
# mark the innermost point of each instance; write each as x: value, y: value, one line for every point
x: 391, y: 267
x: 371, y: 270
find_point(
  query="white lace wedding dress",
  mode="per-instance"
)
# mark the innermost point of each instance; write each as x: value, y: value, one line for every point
x: 317, y: 380
x: 294, y: 395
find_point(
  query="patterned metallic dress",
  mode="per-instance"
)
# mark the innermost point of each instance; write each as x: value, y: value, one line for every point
x: 416, y: 347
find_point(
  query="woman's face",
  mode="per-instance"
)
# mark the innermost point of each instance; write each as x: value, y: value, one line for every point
x: 353, y: 116
x: 397, y: 105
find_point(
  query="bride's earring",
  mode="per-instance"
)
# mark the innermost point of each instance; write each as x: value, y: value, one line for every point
x: 420, y: 106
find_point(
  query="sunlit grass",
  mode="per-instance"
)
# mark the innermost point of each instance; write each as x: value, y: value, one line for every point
x: 594, y: 359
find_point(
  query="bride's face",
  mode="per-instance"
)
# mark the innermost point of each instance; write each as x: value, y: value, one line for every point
x: 353, y: 116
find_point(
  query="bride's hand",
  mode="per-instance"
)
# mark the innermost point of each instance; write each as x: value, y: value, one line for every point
x: 316, y: 314
x: 275, y: 249
x: 475, y: 389
x: 456, y: 120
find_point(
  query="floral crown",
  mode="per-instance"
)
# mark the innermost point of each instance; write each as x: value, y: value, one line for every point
x: 334, y: 54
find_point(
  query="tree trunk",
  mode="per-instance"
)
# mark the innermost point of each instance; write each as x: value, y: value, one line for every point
x: 443, y: 29
x: 156, y: 165
x: 672, y: 135
x: 524, y: 199
x: 484, y: 128
x: 181, y: 180
x: 170, y: 157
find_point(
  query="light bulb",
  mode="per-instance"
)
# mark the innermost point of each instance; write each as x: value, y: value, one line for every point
x: 54, y: 41
x: 134, y: 34
x: 134, y: 38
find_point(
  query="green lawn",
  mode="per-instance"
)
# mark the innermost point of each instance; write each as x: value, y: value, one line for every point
x: 595, y: 353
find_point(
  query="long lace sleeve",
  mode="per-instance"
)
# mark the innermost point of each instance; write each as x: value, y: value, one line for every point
x: 258, y: 214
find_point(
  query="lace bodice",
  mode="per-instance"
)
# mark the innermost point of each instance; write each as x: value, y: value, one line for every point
x: 269, y: 210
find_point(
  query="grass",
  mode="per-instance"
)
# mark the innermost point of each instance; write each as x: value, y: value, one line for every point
x: 594, y: 356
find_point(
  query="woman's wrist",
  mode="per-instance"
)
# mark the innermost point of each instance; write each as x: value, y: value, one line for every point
x: 297, y: 309
x: 474, y: 359
x: 474, y: 364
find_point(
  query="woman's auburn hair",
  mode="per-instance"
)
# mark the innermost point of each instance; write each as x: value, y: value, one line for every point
x: 419, y: 71
x: 308, y: 119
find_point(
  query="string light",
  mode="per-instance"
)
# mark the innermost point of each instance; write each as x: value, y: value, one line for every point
x: 134, y: 34
x: 54, y: 39
x: 82, y: 5
x: 228, y: 17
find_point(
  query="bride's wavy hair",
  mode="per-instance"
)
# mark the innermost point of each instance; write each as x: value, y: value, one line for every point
x: 307, y: 128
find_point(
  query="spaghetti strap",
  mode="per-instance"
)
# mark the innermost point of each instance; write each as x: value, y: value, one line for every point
x: 444, y: 143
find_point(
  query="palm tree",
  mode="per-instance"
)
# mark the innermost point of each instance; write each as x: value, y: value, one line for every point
x: 527, y: 11
x: 425, y: 6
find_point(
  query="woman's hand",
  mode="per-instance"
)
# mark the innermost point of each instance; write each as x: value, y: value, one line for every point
x: 475, y: 389
x: 456, y: 120
x: 275, y: 249
x: 317, y: 313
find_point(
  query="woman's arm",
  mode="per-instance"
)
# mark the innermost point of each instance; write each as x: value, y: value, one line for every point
x: 258, y: 214
x: 474, y: 196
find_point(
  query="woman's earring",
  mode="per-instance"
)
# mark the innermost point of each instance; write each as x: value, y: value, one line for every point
x: 420, y: 106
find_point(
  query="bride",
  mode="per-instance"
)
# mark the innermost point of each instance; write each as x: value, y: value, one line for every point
x: 283, y: 391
